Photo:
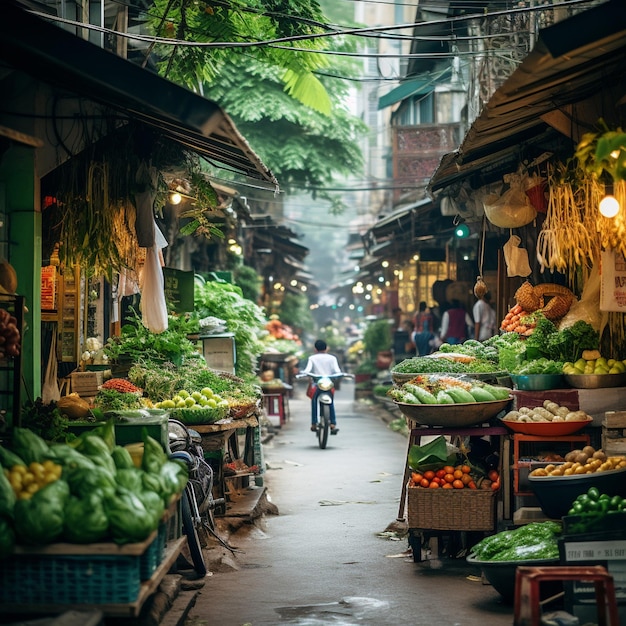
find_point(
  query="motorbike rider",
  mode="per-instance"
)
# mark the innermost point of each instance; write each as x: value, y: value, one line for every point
x: 322, y: 364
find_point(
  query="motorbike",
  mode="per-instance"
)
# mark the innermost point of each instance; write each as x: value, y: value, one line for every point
x: 325, y: 400
x: 198, y: 503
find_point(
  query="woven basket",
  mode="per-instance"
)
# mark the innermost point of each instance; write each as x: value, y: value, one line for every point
x: 451, y: 509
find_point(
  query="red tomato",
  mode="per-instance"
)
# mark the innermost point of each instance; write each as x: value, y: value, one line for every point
x: 441, y: 473
x: 493, y: 475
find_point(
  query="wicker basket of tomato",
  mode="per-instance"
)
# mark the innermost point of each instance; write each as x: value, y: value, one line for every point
x: 452, y: 498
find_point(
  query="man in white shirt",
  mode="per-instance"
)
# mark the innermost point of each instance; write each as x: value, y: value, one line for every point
x: 322, y: 364
x: 484, y: 318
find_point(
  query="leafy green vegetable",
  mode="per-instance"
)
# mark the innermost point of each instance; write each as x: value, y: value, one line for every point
x: 539, y: 366
x: 8, y: 459
x: 85, y: 519
x: 40, y: 520
x: 430, y: 455
x: 83, y: 481
x: 429, y: 365
x: 537, y: 540
x: 29, y: 446
x: 97, y: 450
x: 7, y: 497
x: 45, y: 420
x: 121, y: 458
x: 112, y: 400
x: 568, y: 344
x: 154, y: 457
x: 244, y: 318
x: 129, y: 519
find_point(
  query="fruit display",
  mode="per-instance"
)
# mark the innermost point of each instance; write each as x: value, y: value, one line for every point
x: 26, y: 480
x: 517, y: 320
x: 595, y: 503
x: 592, y: 362
x: 548, y: 412
x: 446, y: 390
x: 587, y: 460
x: 461, y: 476
x: 198, y: 406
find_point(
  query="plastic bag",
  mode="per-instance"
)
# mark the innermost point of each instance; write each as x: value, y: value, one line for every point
x: 512, y: 209
x: 153, y: 305
x: 50, y: 389
x: 587, y: 308
x: 516, y: 258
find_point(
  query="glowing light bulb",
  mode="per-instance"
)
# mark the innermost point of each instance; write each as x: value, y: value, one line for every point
x: 175, y: 198
x: 609, y: 206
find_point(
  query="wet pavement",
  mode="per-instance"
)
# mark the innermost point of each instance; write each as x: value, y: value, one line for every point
x: 325, y: 558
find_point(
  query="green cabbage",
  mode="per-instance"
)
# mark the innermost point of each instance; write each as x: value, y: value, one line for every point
x: 129, y: 519
x: 98, y: 451
x: 29, y: 446
x: 154, y: 457
x: 40, y: 519
x: 7, y: 496
x: 83, y: 481
x: 121, y: 458
x: 131, y: 479
x: 8, y: 459
x: 85, y: 519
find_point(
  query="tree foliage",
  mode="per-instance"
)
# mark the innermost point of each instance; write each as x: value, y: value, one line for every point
x: 243, y: 23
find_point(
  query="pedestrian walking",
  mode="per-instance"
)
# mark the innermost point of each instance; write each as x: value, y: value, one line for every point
x: 456, y: 324
x: 484, y: 318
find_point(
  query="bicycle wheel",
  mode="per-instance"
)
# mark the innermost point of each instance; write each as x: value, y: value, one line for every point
x: 193, y: 541
x: 324, y: 425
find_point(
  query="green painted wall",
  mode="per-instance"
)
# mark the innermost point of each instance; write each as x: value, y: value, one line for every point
x: 21, y: 196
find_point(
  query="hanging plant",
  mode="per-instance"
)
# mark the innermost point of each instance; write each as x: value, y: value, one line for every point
x: 603, y: 153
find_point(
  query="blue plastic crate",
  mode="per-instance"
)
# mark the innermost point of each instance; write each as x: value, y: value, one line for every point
x: 61, y: 579
x: 150, y: 559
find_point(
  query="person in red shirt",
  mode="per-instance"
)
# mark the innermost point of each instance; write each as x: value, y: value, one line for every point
x: 455, y: 324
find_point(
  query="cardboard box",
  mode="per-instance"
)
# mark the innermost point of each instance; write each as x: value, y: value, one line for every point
x: 86, y: 384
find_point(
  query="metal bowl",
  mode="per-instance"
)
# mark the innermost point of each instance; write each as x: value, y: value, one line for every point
x: 453, y: 415
x: 595, y: 381
x: 501, y: 574
x: 538, y: 382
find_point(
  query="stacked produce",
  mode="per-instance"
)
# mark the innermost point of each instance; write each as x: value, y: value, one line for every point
x: 86, y: 492
x: 592, y: 362
x: 461, y: 476
x: 446, y: 390
x: 549, y: 412
x: 587, y: 460
x: 197, y: 406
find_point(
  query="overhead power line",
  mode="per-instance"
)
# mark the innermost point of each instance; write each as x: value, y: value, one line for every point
x: 362, y: 31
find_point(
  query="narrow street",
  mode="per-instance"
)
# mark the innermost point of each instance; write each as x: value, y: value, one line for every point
x: 322, y: 559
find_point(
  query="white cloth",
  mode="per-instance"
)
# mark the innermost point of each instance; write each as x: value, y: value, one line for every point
x: 322, y: 364
x: 485, y: 315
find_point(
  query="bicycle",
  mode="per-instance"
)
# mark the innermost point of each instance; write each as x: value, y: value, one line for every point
x: 198, y: 504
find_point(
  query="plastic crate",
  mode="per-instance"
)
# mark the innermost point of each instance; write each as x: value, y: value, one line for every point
x: 151, y: 558
x: 450, y: 509
x: 59, y: 579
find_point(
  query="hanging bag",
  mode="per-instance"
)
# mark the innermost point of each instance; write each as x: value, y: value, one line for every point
x: 516, y: 258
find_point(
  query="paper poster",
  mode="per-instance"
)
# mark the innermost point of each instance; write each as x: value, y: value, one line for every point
x: 612, y: 281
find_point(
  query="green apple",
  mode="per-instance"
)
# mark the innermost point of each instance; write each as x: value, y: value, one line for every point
x: 207, y: 391
x: 196, y: 395
x: 580, y: 364
x: 181, y: 404
x: 183, y: 394
x: 211, y: 402
x: 190, y: 401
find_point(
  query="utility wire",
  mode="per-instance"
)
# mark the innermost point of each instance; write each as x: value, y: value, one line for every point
x: 332, y: 33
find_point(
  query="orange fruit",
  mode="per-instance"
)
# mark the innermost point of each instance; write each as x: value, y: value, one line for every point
x: 447, y: 486
x: 429, y: 474
x: 424, y: 482
x: 441, y: 473
x: 457, y: 484
x: 466, y: 479
x: 458, y: 473
x: 495, y: 485
x: 433, y: 485
x: 416, y: 477
x: 472, y: 485
x: 449, y: 478
x: 448, y: 469
x: 466, y: 469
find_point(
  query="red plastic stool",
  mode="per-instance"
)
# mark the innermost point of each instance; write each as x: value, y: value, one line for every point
x: 275, y: 406
x: 528, y: 580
